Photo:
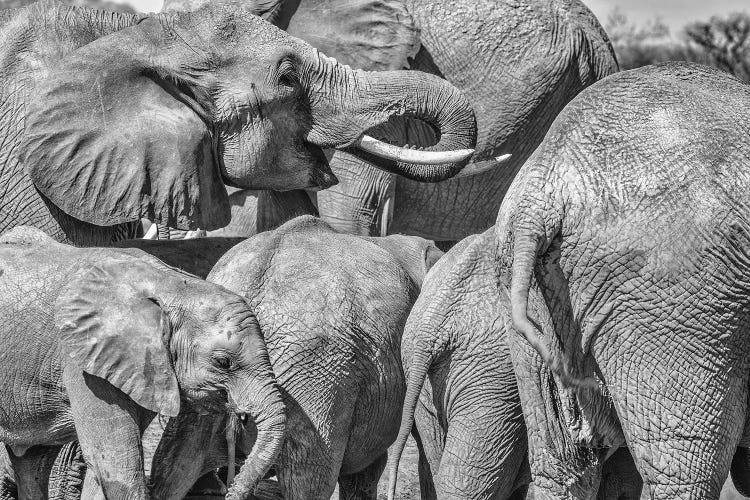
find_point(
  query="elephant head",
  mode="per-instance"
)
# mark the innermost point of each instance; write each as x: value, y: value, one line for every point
x: 169, y: 340
x: 151, y: 120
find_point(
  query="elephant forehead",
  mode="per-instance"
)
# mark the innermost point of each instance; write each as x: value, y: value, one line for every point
x: 223, y: 310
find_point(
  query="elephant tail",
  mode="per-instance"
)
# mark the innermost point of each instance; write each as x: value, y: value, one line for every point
x: 420, y: 365
x: 526, y: 247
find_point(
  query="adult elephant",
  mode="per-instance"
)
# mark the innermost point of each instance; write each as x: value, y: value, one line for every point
x: 111, y: 117
x: 518, y: 62
x: 461, y: 391
x: 332, y: 307
x: 624, y: 247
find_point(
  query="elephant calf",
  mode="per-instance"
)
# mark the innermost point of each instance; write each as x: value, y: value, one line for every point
x: 461, y: 389
x: 332, y: 308
x: 94, y: 342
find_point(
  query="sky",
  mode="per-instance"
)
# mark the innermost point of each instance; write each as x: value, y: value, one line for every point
x: 675, y: 13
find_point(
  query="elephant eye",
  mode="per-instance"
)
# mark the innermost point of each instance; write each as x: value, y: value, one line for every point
x: 223, y: 362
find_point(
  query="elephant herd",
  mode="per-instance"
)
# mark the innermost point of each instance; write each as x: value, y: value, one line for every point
x: 586, y: 333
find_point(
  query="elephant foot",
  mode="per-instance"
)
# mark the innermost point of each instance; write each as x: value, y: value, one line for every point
x: 207, y: 487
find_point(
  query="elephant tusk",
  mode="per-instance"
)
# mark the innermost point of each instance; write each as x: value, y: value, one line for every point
x: 231, y: 448
x: 152, y: 233
x: 415, y: 156
x: 386, y: 216
x: 481, y: 167
x: 198, y: 233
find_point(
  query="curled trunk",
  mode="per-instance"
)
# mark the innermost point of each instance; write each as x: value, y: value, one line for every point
x: 270, y: 420
x: 345, y: 103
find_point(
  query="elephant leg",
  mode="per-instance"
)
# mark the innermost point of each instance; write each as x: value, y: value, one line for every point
x: 430, y: 438
x: 485, y: 448
x: 68, y: 473
x: 424, y: 468
x: 109, y: 426
x: 363, y: 485
x: 191, y: 445
x: 313, y: 452
x: 32, y: 471
x: 682, y: 420
x: 559, y: 468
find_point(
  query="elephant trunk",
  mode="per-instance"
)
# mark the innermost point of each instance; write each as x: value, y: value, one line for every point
x: 266, y: 410
x: 345, y: 103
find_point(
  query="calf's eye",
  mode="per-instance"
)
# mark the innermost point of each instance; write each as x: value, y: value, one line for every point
x: 222, y: 362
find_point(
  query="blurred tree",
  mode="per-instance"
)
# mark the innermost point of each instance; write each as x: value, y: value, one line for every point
x: 726, y: 41
x: 623, y: 32
x: 653, y: 43
x: 98, y: 4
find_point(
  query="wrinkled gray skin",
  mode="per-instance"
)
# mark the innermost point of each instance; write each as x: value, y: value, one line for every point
x: 468, y: 413
x: 518, y: 62
x: 332, y: 308
x: 108, y: 118
x: 624, y: 244
x: 79, y: 372
x: 8, y: 489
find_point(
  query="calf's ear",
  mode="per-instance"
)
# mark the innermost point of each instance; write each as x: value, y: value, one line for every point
x: 113, y: 326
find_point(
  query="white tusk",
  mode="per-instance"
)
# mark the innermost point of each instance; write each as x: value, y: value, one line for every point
x: 502, y: 158
x: 152, y: 233
x: 198, y: 233
x: 481, y: 167
x: 231, y: 444
x: 386, y: 216
x: 416, y: 156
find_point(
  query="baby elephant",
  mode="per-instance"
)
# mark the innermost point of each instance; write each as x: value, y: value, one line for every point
x: 94, y: 342
x: 461, y: 390
x: 332, y: 308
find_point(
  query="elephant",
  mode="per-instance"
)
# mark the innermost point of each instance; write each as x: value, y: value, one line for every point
x: 97, y: 341
x: 113, y: 117
x: 518, y: 63
x: 461, y: 392
x: 623, y: 253
x: 331, y: 307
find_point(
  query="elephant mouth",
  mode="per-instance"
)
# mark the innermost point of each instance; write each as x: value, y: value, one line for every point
x: 321, y: 175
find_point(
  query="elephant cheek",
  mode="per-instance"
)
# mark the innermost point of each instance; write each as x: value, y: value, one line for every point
x: 240, y: 152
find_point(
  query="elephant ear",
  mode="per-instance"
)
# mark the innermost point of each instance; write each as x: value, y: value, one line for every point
x: 375, y: 35
x: 113, y: 326
x: 110, y: 141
